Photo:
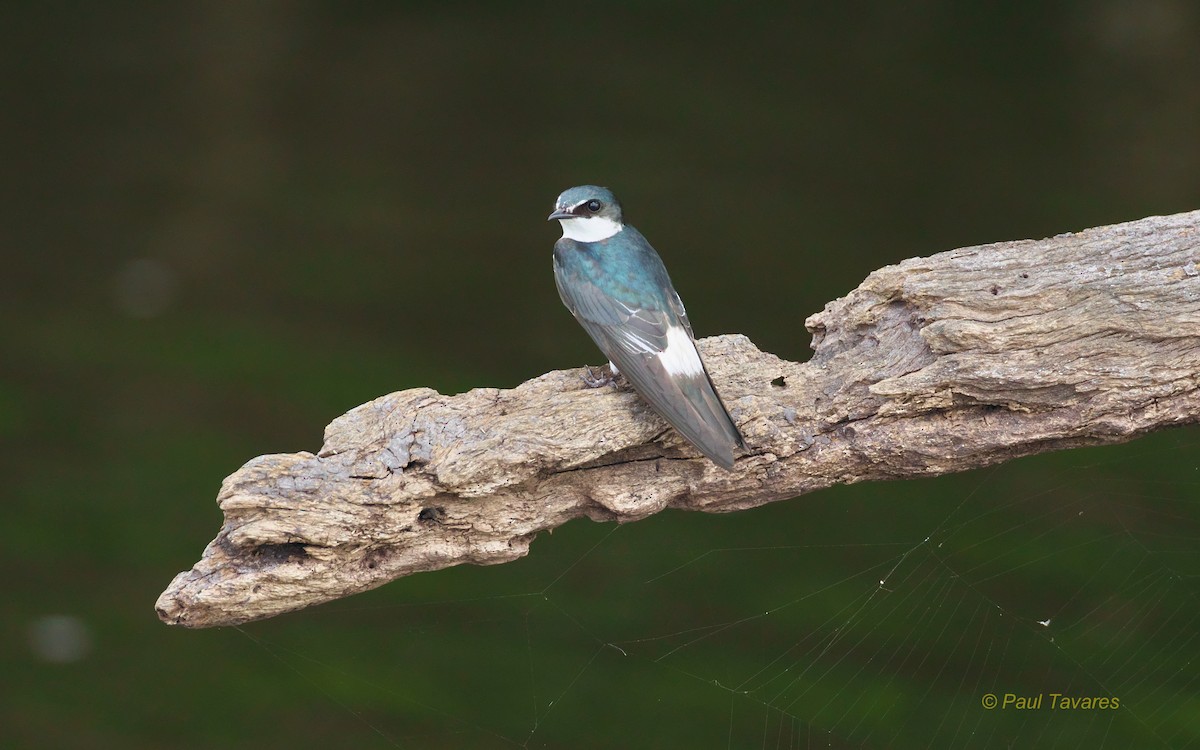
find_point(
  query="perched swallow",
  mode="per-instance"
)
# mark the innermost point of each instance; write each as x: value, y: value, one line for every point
x: 616, y: 286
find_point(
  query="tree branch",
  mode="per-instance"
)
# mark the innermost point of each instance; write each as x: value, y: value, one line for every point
x: 935, y: 365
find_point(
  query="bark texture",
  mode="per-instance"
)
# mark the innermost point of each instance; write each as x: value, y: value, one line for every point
x: 935, y: 365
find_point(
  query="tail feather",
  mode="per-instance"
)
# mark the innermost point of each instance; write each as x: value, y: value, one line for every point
x: 691, y: 405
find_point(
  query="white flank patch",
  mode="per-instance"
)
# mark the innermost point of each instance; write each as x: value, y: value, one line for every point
x: 589, y: 228
x: 680, y: 357
x: 613, y: 369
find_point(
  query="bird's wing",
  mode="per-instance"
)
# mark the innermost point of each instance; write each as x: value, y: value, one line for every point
x: 677, y: 305
x: 655, y: 350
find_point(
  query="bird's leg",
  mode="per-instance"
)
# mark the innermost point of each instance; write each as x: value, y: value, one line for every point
x: 592, y: 380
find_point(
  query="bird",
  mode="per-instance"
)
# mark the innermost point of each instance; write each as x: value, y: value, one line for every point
x: 617, y: 287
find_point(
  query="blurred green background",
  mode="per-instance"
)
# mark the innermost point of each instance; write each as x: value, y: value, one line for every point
x: 226, y: 223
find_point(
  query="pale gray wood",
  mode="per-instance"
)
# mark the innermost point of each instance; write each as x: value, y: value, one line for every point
x: 935, y: 365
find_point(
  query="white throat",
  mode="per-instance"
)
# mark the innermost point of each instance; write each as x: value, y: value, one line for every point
x: 589, y: 228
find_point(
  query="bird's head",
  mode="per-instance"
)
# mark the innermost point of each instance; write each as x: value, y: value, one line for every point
x: 588, y: 213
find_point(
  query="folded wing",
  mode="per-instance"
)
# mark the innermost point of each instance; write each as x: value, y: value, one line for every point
x: 655, y: 350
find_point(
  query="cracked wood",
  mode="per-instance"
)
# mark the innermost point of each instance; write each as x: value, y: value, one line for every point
x: 940, y: 364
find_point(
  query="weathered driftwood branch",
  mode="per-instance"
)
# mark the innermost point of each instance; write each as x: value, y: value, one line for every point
x: 935, y: 365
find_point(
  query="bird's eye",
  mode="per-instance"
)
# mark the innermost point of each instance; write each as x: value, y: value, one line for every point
x: 594, y: 205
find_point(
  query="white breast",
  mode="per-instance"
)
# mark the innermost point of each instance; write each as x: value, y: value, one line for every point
x: 590, y: 228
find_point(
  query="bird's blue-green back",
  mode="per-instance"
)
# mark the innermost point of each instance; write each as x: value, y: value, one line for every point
x: 619, y: 291
x: 625, y: 267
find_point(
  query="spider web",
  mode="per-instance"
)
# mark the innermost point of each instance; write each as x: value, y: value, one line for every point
x: 879, y: 615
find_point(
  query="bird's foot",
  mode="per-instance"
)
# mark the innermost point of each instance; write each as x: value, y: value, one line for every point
x: 594, y: 380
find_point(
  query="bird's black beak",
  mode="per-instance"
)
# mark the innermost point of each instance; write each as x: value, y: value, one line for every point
x: 560, y: 213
